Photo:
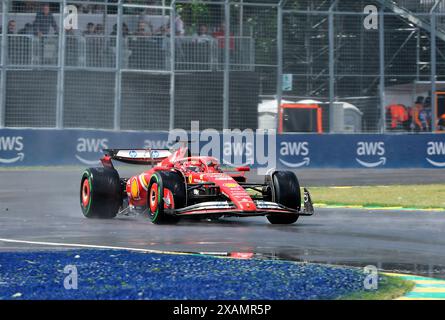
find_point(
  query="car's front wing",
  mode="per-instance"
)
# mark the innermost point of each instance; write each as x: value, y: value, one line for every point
x: 229, y: 209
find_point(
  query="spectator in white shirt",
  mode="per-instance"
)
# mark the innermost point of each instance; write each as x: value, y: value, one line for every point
x: 202, y: 35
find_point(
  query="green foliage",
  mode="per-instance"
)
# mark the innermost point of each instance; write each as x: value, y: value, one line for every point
x: 263, y: 25
x: 193, y: 14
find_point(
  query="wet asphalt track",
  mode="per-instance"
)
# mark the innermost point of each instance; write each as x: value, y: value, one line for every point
x: 43, y: 206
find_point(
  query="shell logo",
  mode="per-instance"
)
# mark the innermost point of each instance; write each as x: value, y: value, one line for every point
x: 143, y: 182
x: 134, y: 189
x: 230, y: 185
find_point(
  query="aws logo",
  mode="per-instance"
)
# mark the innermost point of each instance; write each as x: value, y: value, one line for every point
x: 238, y: 152
x: 10, y: 145
x: 90, y: 145
x: 156, y: 144
x: 297, y: 150
x: 435, y: 149
x: 371, y: 150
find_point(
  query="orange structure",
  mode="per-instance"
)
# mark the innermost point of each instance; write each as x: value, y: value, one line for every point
x: 301, y: 106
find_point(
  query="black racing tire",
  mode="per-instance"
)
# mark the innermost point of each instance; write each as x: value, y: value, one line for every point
x: 286, y: 191
x: 159, y: 181
x: 100, y: 193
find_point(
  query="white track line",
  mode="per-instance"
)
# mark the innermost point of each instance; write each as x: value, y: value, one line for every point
x: 91, y: 246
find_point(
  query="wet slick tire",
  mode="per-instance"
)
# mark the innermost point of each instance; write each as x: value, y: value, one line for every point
x: 165, y: 184
x: 100, y: 193
x: 286, y: 191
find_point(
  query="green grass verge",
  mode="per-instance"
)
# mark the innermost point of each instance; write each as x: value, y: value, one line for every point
x: 389, y: 288
x: 407, y: 196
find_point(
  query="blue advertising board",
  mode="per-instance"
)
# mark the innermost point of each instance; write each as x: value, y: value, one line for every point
x: 50, y: 147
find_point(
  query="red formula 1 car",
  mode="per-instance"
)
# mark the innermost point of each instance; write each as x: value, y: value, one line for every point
x: 179, y: 185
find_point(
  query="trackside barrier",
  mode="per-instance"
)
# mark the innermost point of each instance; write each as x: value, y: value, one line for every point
x: 48, y: 147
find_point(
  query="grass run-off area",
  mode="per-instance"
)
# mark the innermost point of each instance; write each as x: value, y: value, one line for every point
x: 407, y: 196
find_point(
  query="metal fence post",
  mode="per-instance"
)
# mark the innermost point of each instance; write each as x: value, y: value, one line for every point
x: 433, y: 72
x: 382, y: 69
x: 279, y: 60
x: 118, y: 72
x: 418, y: 55
x: 3, y: 61
x: 331, y: 66
x: 172, y: 64
x: 226, y: 91
x: 241, y: 18
x: 61, y: 68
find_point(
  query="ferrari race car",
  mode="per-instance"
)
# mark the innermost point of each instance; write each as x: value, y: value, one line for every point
x: 179, y: 185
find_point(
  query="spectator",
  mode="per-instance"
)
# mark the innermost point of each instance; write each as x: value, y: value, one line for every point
x: 125, y: 30
x: 44, y: 21
x: 202, y: 35
x: 141, y: 30
x: 425, y: 114
x: 162, y: 31
x: 220, y: 36
x: 146, y: 19
x: 28, y: 29
x: 441, y: 123
x: 409, y: 119
x: 416, y: 110
x: 11, y: 27
x: 179, y: 26
x: 85, y: 8
x: 398, y: 115
x: 99, y: 29
x: 89, y: 30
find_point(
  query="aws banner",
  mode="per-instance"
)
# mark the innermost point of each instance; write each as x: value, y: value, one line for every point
x: 41, y: 147
x: 68, y: 147
x: 362, y: 151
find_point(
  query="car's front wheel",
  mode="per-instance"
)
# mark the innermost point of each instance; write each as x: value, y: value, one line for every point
x: 286, y: 191
x: 166, y: 192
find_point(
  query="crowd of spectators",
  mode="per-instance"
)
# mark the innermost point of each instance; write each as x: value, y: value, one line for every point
x: 42, y: 24
x: 145, y: 42
x: 44, y: 21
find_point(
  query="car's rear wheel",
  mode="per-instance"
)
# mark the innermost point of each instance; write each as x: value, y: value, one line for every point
x: 100, y: 193
x: 166, y: 192
x: 285, y: 191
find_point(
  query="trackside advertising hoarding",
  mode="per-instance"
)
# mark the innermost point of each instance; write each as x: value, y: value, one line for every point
x: 49, y: 147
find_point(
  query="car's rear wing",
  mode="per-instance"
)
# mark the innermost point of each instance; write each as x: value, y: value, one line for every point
x: 138, y: 156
